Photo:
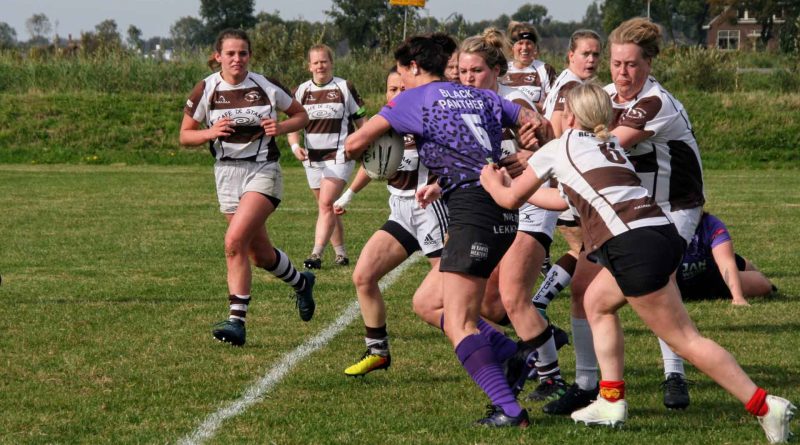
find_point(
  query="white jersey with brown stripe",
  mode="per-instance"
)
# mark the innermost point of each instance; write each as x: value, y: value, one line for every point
x: 509, y: 143
x: 600, y: 183
x: 329, y: 109
x: 534, y: 80
x: 668, y: 162
x: 246, y: 104
x: 557, y: 97
x: 411, y: 174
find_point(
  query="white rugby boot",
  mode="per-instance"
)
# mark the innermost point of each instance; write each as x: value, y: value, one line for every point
x: 603, y: 412
x: 776, y: 421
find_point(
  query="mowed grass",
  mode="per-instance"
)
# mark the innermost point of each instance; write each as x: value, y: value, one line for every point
x: 113, y: 275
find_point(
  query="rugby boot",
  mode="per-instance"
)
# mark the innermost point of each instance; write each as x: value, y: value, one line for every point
x: 369, y: 362
x: 230, y: 331
x: 676, y: 391
x: 573, y: 399
x: 548, y: 389
x: 313, y: 261
x: 603, y: 412
x: 305, y: 298
x: 496, y: 417
x: 776, y: 421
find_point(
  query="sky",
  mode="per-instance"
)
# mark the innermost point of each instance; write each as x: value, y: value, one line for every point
x: 154, y: 17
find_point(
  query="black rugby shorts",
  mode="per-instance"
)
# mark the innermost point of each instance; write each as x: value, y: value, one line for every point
x: 479, y: 233
x: 641, y: 260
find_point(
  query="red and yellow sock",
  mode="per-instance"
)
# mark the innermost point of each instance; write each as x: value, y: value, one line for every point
x: 612, y: 390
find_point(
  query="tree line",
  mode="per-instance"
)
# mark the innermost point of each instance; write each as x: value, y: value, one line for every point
x: 363, y: 25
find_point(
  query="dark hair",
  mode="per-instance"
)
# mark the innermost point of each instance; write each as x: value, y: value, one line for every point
x: 430, y: 52
x: 392, y: 70
x: 583, y: 34
x: 522, y: 31
x: 225, y: 34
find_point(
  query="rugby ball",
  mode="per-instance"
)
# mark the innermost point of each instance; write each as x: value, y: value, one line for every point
x: 383, y: 156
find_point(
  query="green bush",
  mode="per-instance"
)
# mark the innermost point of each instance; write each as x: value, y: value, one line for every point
x: 696, y: 68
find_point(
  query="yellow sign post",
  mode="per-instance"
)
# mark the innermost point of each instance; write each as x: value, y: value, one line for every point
x: 407, y: 3
x: 418, y: 3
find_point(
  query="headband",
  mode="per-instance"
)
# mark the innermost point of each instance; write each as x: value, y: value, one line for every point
x: 524, y: 35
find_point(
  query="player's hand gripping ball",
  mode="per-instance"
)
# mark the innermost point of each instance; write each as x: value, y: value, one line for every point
x: 382, y: 158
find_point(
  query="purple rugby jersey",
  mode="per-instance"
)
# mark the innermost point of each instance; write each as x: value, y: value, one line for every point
x: 710, y: 233
x: 456, y: 128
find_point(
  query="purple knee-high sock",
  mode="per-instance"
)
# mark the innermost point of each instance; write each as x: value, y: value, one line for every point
x: 477, y: 358
x: 502, y: 346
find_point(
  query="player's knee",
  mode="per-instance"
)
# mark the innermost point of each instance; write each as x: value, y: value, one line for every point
x: 233, y: 246
x: 364, y: 277
x: 513, y: 303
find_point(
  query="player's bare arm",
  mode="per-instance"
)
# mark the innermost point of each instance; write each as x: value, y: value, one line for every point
x: 298, y: 119
x: 534, y: 130
x: 192, y: 134
x: 356, y: 143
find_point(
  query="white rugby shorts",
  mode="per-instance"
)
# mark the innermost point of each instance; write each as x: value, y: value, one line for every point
x: 428, y: 225
x: 537, y: 220
x: 234, y: 178
x: 331, y: 170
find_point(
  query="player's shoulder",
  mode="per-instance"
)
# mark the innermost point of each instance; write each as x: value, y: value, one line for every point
x: 514, y: 95
x: 262, y: 80
x: 305, y: 85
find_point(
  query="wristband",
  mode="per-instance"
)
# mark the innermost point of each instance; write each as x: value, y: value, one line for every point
x: 295, y: 147
x: 345, y: 199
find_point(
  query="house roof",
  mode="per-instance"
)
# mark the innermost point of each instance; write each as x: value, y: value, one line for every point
x: 738, y: 20
x: 724, y: 11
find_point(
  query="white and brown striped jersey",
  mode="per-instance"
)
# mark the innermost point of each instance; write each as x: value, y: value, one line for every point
x: 411, y: 174
x: 509, y: 143
x: 246, y: 104
x: 669, y: 161
x: 534, y: 80
x: 331, y: 108
x: 600, y: 183
x: 557, y: 96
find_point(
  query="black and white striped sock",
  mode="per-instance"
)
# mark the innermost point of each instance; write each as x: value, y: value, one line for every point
x: 284, y: 270
x: 238, y: 307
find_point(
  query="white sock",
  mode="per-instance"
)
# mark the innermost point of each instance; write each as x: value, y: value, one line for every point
x: 673, y: 363
x: 340, y: 250
x: 585, y: 359
x: 555, y: 281
x: 547, y: 362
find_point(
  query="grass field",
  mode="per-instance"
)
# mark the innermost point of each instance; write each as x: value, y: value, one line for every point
x: 113, y: 275
x: 75, y: 128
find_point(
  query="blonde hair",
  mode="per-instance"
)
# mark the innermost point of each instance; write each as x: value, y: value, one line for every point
x: 321, y: 47
x: 639, y: 31
x: 492, y: 46
x: 591, y: 106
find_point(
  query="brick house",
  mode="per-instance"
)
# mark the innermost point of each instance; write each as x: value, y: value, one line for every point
x: 733, y: 29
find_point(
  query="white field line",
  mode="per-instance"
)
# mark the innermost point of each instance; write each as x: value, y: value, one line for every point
x: 256, y: 391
